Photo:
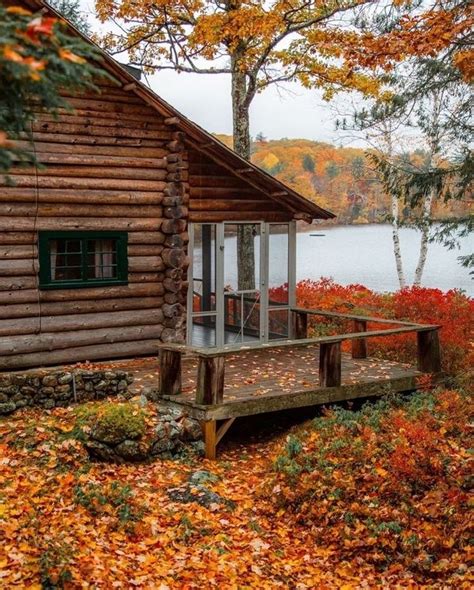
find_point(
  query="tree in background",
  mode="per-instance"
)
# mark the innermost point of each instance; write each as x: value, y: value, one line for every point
x: 71, y: 9
x: 256, y: 43
x: 308, y: 163
x: 37, y: 58
x: 432, y: 86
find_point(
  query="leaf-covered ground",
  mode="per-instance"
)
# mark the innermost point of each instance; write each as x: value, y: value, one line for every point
x: 308, y: 511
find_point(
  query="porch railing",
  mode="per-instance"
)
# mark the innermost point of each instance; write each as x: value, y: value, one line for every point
x: 211, y: 361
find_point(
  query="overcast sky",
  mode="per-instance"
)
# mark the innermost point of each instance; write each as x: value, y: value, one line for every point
x: 290, y: 111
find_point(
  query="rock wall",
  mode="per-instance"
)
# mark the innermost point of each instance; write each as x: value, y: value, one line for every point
x: 49, y: 389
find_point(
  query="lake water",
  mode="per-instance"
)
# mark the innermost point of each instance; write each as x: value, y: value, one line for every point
x: 364, y: 254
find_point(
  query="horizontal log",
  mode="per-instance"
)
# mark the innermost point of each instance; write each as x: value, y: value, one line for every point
x: 100, y: 130
x: 144, y: 249
x: 229, y: 205
x: 83, y: 321
x: 201, y: 192
x: 149, y: 237
x: 112, y: 95
x: 216, y: 216
x: 82, y: 353
x: 80, y: 223
x: 145, y: 263
x: 18, y: 252
x: 94, y: 293
x: 21, y: 237
x: 98, y: 119
x: 215, y: 180
x: 94, y: 140
x: 98, y: 160
x: 49, y: 342
x: 146, y: 277
x: 15, y: 268
x: 83, y: 197
x: 110, y: 172
x: 93, y: 150
x: 139, y: 117
x: 25, y: 180
x: 115, y: 107
x: 24, y: 310
x: 78, y: 210
x: 17, y: 283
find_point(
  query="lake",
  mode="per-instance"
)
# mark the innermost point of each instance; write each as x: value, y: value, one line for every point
x: 364, y: 254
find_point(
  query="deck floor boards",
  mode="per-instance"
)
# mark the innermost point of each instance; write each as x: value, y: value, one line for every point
x: 275, y: 374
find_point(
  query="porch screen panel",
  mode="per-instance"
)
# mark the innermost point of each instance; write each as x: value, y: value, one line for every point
x: 278, y: 280
x: 242, y: 282
x: 203, y: 268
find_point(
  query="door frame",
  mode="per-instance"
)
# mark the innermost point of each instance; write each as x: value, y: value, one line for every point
x: 218, y: 313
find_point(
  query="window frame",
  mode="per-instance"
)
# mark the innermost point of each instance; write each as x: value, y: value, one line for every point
x: 44, y: 255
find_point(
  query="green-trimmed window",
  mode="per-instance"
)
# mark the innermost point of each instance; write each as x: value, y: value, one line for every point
x: 82, y: 259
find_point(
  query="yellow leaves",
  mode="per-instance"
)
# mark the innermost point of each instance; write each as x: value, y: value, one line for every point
x: 464, y: 61
x: 11, y: 54
x: 70, y: 56
x: 19, y: 10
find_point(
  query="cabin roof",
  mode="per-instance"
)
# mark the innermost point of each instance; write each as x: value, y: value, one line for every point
x: 202, y: 140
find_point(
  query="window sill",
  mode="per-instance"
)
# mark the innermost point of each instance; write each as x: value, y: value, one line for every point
x: 81, y: 285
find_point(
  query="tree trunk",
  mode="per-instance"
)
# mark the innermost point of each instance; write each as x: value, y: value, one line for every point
x: 241, y: 131
x: 425, y: 230
x: 396, y: 241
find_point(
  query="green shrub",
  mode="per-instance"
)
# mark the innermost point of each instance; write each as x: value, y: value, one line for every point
x: 113, y: 423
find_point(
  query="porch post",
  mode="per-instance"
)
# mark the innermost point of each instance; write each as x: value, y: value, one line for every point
x: 170, y: 372
x: 330, y: 364
x: 359, y: 345
x: 429, y: 354
x: 210, y: 380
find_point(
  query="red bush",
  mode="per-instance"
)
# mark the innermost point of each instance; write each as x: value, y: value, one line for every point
x: 452, y: 310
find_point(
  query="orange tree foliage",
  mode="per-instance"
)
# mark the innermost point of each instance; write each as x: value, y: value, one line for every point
x: 439, y: 29
x: 452, y: 310
x: 341, y: 179
x: 37, y: 58
x: 387, y: 485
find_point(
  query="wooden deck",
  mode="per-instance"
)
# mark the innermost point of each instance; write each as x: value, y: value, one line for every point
x: 222, y: 384
x: 273, y: 379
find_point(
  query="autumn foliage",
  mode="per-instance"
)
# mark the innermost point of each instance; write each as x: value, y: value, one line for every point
x: 452, y: 310
x: 386, y: 486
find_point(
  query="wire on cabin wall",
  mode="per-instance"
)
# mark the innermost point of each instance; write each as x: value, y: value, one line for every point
x: 35, y: 242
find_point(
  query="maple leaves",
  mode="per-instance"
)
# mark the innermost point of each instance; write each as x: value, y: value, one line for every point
x: 386, y: 485
x: 341, y: 509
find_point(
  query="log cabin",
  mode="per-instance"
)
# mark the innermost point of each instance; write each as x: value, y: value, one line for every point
x: 139, y: 228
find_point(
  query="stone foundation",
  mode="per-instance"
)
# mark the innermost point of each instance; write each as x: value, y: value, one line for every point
x: 171, y: 433
x: 49, y: 389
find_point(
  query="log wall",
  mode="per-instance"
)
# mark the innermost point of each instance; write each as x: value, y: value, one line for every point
x: 218, y: 195
x: 111, y: 164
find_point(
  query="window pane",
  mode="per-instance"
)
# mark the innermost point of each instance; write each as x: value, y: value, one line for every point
x: 65, y: 259
x: 204, y: 267
x: 68, y: 274
x: 102, y: 259
x: 278, y: 264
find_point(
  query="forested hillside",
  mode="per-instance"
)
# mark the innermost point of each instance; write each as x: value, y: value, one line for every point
x: 340, y: 179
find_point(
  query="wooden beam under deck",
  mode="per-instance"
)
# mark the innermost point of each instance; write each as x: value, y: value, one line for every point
x: 250, y: 406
